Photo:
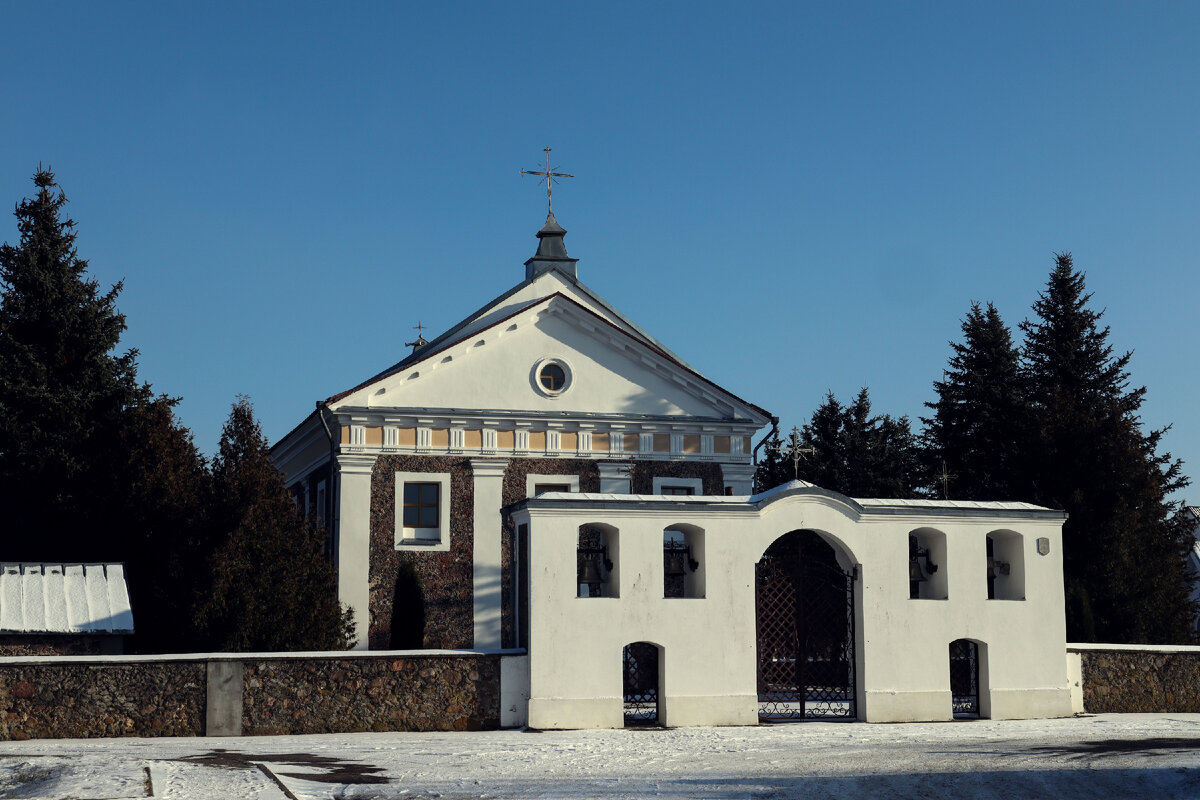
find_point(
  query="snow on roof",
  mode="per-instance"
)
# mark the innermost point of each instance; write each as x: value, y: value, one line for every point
x: 990, y: 505
x: 865, y: 503
x: 64, y: 598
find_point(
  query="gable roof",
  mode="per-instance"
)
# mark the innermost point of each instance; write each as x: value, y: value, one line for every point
x: 445, y: 342
x: 64, y: 598
x: 485, y: 316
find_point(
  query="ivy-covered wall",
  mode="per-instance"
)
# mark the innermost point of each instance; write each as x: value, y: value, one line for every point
x: 446, y: 577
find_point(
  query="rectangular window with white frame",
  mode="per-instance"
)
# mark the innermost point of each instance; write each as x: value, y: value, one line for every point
x: 422, y: 511
x: 678, y: 486
x: 536, y: 484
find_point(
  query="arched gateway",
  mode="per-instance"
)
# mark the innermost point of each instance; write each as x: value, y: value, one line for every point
x: 805, y: 631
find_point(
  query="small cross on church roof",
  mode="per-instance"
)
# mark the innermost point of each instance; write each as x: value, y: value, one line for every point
x: 549, y: 174
x: 552, y: 250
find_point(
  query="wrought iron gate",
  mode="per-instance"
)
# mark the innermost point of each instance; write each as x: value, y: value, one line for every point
x: 805, y: 608
x: 640, y: 683
x: 964, y: 678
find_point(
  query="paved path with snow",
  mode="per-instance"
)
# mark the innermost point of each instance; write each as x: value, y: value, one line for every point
x: 1123, y: 756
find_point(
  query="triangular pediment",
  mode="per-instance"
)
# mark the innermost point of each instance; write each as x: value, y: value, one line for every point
x: 609, y: 371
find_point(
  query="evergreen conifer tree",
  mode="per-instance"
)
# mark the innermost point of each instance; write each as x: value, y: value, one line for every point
x: 165, y: 537
x: 854, y: 452
x: 1123, y: 549
x: 64, y: 392
x: 773, y: 467
x: 980, y: 425
x: 272, y: 587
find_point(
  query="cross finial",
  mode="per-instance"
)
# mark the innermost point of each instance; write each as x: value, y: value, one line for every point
x: 549, y: 174
x: 797, y: 452
x: 420, y: 342
x: 946, y: 477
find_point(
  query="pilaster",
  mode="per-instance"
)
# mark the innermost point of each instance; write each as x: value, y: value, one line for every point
x: 489, y: 498
x: 354, y: 539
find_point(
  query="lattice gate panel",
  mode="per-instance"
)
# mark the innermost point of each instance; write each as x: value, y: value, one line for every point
x: 640, y: 683
x: 805, y: 630
x: 964, y: 678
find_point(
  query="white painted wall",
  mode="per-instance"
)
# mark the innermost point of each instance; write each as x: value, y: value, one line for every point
x: 611, y: 373
x: 709, y: 644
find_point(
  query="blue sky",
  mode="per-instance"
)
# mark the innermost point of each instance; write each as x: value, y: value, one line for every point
x: 796, y: 198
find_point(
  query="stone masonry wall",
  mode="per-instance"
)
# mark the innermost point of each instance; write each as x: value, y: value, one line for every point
x: 404, y: 693
x: 59, y: 645
x: 66, y: 698
x: 1129, y: 681
x: 86, y: 700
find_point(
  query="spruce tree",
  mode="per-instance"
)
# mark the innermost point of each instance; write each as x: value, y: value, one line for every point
x: 854, y: 452
x: 165, y: 539
x: 64, y: 392
x: 272, y: 587
x: 1124, y: 554
x: 980, y: 424
x: 773, y: 467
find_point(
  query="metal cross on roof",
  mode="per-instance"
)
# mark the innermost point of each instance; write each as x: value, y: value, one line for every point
x: 797, y: 452
x: 420, y: 342
x: 549, y: 174
x: 946, y: 477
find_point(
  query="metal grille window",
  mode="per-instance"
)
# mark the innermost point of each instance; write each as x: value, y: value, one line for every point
x: 421, y: 505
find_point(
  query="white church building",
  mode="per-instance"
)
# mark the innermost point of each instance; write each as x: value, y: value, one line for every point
x: 546, y: 476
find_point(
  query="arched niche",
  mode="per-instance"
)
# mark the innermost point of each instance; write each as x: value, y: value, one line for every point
x: 928, y: 572
x: 1005, y: 552
x: 597, y: 561
x: 684, y: 562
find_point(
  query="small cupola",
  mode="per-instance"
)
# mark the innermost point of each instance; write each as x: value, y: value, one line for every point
x: 551, y: 252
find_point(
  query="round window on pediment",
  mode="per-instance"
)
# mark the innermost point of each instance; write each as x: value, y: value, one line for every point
x: 551, y: 376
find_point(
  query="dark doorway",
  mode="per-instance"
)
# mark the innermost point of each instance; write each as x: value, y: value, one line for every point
x: 805, y: 609
x: 964, y: 678
x: 640, y: 683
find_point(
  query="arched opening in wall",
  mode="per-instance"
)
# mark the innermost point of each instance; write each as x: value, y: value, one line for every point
x: 967, y: 671
x: 683, y: 561
x: 1005, y: 566
x: 408, y: 611
x: 804, y: 600
x: 927, y: 578
x: 641, y: 682
x: 596, y: 561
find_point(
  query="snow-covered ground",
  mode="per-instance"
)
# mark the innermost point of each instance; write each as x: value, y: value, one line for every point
x: 1120, y: 756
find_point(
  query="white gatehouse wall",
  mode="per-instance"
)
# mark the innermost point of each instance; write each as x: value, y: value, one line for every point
x: 708, y: 644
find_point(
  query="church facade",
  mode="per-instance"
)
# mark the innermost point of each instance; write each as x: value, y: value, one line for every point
x: 547, y: 477
x: 547, y: 387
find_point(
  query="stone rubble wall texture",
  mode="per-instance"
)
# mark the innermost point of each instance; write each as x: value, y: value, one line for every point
x: 78, y: 700
x: 405, y: 693
x: 61, y: 645
x: 1130, y: 681
x: 84, y: 701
